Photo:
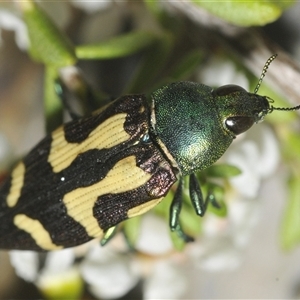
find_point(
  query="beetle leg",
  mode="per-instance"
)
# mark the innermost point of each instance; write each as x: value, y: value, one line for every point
x: 175, y: 207
x: 108, y: 234
x: 196, y: 196
x: 212, y: 199
x: 185, y: 237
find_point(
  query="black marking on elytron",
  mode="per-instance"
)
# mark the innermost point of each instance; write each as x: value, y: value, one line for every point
x: 76, y: 132
x: 113, y: 208
x: 43, y: 190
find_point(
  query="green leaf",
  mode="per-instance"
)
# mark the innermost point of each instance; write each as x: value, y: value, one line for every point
x: 167, y: 21
x: 48, y: 44
x: 178, y: 243
x: 222, y: 171
x: 291, y: 146
x: 120, y: 46
x: 153, y: 63
x: 132, y: 229
x: 187, y: 65
x: 52, y: 102
x: 246, y: 13
x: 290, y: 229
x: 190, y: 221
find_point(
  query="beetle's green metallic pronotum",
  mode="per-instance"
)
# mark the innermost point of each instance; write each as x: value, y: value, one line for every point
x: 90, y: 174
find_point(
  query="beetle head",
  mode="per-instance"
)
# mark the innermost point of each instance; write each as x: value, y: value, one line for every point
x: 238, y: 109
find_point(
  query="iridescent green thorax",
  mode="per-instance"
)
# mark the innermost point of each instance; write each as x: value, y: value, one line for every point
x: 186, y: 120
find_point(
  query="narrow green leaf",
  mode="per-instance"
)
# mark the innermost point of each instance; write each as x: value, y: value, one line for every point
x: 154, y: 6
x: 153, y: 63
x: 190, y: 221
x: 163, y: 208
x: 178, y: 243
x: 48, y: 44
x: 52, y: 102
x: 167, y: 21
x: 187, y: 65
x: 291, y: 146
x: 132, y: 229
x: 290, y: 228
x: 222, y: 170
x: 120, y: 46
x: 246, y: 13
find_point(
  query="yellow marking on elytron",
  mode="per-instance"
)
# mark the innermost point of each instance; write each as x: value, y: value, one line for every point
x: 123, y: 177
x: 37, y: 232
x: 17, y: 182
x: 140, y: 209
x: 108, y: 134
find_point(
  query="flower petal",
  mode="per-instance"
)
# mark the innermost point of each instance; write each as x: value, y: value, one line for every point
x: 10, y: 21
x: 91, y: 6
x: 25, y: 264
x: 154, y: 236
x: 109, y: 274
x: 165, y: 282
x: 59, y: 261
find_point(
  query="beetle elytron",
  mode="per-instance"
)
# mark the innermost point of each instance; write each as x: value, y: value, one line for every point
x: 90, y: 174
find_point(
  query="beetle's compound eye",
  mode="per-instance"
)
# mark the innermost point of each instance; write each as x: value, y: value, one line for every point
x: 228, y: 89
x: 239, y: 124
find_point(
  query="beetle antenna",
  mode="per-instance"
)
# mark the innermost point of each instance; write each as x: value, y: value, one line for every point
x: 264, y: 71
x: 263, y: 74
x: 281, y: 108
x: 285, y: 108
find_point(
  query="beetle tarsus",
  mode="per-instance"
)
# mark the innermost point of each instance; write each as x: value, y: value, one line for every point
x: 212, y: 199
x: 108, y: 235
x: 175, y: 209
x: 185, y: 237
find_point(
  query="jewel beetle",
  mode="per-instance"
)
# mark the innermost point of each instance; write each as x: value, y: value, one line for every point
x: 91, y: 174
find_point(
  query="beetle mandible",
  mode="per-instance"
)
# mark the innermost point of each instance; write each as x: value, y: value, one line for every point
x: 91, y: 174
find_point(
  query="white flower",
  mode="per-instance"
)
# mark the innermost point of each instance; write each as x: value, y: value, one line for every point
x: 112, y: 271
x: 166, y: 281
x: 219, y: 72
x: 10, y: 21
x: 257, y: 155
x: 60, y: 275
x: 155, y: 236
x: 25, y: 264
x: 91, y: 6
x: 108, y: 273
